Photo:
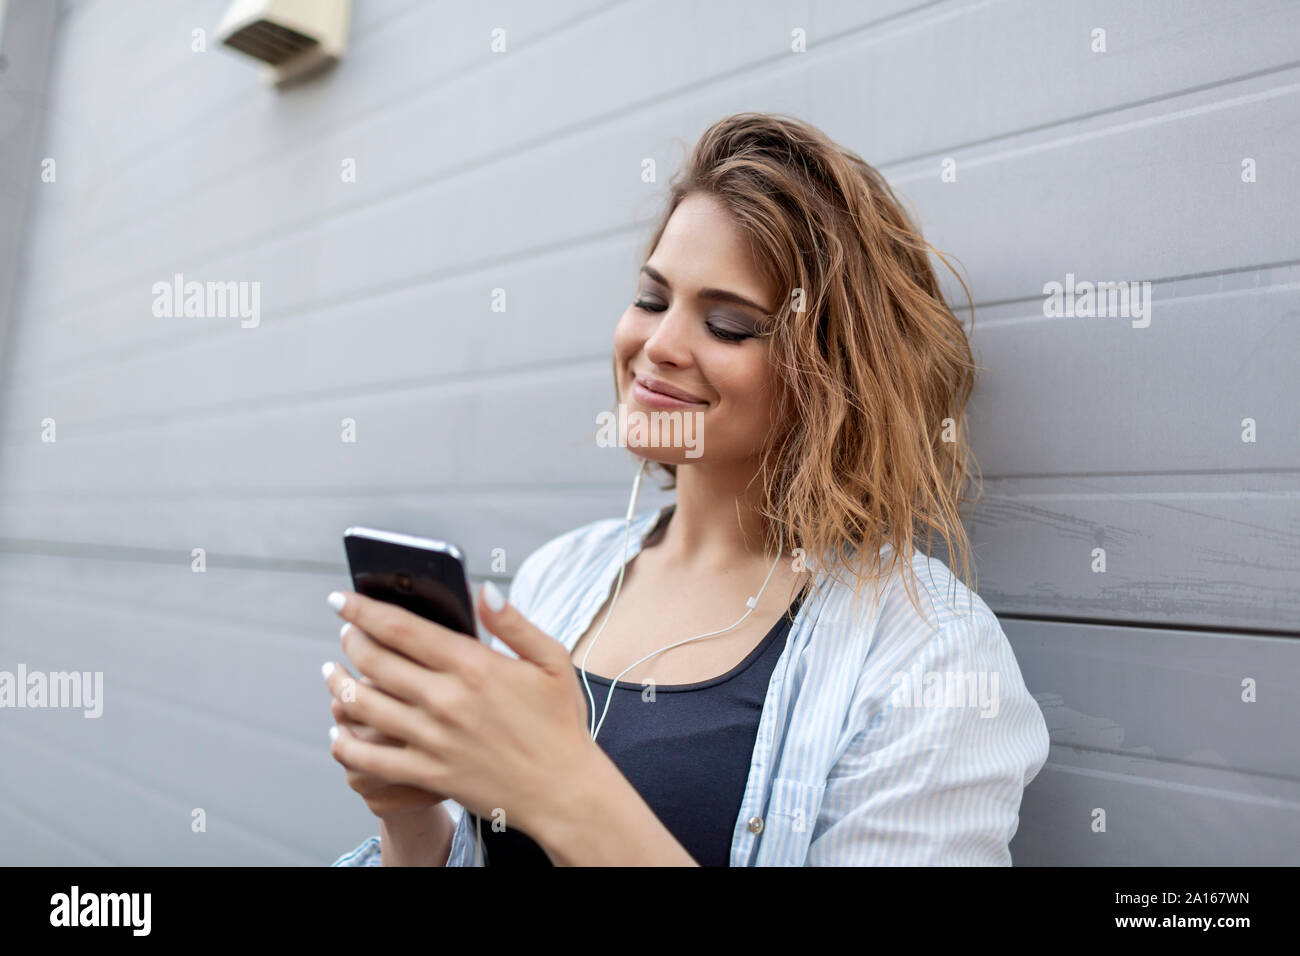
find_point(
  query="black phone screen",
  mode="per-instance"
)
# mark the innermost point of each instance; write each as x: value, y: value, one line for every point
x: 426, y: 580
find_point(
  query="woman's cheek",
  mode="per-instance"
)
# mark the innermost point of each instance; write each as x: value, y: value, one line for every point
x: 628, y: 333
x: 759, y: 414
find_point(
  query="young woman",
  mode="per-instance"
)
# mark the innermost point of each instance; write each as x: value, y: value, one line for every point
x: 866, y: 709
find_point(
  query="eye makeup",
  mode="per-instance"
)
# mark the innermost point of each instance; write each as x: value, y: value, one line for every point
x: 724, y: 328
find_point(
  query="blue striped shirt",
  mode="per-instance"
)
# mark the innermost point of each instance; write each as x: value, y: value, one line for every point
x: 886, y: 738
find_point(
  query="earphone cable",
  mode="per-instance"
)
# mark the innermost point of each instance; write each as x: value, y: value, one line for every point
x: 751, y: 604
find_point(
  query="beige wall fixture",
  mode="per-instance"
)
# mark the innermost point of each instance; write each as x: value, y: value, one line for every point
x: 293, y: 37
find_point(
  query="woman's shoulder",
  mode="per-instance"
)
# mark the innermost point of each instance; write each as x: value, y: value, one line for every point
x: 922, y: 602
x: 954, y: 638
x: 951, y: 652
x: 945, y: 598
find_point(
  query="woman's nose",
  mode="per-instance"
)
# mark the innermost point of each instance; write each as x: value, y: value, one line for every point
x: 669, y: 344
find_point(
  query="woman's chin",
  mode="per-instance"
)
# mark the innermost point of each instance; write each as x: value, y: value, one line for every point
x: 665, y: 456
x: 667, y: 438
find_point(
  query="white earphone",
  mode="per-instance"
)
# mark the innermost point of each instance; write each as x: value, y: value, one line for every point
x: 627, y: 533
x: 750, y: 604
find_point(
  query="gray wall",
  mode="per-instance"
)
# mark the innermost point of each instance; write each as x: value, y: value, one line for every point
x: 521, y: 171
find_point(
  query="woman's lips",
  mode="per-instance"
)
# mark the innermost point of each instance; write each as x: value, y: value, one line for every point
x: 646, y: 393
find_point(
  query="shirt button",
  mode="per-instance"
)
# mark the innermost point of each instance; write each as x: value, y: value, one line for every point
x: 755, y: 824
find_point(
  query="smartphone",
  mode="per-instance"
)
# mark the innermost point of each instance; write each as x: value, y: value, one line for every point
x: 424, y: 575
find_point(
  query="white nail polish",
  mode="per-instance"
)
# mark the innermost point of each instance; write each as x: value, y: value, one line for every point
x: 326, y: 669
x: 334, y: 733
x: 494, y: 598
x: 343, y: 630
x: 336, y: 600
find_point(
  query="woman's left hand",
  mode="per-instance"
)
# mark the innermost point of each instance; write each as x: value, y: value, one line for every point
x: 499, y: 735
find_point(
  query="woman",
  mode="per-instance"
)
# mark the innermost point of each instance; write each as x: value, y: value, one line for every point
x: 866, y: 709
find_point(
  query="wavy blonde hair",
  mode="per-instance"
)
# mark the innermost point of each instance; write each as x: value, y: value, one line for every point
x: 869, y: 445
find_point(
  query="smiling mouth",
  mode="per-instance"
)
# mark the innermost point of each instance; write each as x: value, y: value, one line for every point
x: 663, y: 390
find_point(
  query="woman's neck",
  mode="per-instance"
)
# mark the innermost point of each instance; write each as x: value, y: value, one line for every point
x: 716, y: 524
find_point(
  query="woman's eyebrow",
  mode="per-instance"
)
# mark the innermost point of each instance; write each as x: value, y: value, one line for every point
x: 717, y: 295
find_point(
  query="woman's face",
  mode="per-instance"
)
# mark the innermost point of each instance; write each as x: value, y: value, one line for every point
x: 691, y: 331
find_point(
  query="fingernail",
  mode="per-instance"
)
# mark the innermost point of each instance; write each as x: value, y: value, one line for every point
x: 334, y: 733
x: 326, y: 669
x: 336, y: 600
x: 343, y: 631
x: 494, y: 598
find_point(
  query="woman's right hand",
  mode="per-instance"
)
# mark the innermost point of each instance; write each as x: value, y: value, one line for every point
x: 386, y: 800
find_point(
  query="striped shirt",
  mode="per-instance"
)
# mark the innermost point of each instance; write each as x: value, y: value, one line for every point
x: 886, y: 738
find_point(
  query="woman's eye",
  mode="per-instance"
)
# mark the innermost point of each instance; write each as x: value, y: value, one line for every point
x: 730, y: 335
x: 725, y: 334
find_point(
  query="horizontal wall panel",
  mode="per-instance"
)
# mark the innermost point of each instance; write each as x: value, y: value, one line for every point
x: 1218, y: 820
x: 114, y: 812
x: 240, y: 594
x: 1211, y: 550
x: 429, y: 333
x: 264, y: 681
x: 1149, y: 726
x: 1103, y: 400
x: 1179, y: 551
x: 243, y: 608
x: 247, y: 606
x: 1172, y: 696
x: 253, y: 531
x: 25, y: 837
x: 425, y: 436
